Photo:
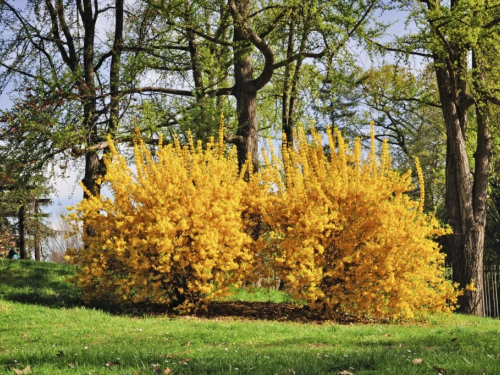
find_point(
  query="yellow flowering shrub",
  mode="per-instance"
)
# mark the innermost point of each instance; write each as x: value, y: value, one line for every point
x: 344, y: 236
x: 337, y: 228
x: 171, y: 234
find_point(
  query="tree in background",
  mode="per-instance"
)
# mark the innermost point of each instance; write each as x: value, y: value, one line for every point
x: 460, y: 38
x: 243, y: 48
x: 405, y: 109
x: 67, y: 82
x: 22, y: 189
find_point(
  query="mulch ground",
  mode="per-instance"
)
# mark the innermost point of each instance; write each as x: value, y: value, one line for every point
x: 245, y: 310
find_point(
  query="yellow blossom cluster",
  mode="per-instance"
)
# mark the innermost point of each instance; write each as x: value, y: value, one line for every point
x: 171, y: 234
x: 343, y: 235
x: 337, y: 228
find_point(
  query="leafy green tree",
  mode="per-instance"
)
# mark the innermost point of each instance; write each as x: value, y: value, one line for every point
x: 405, y: 109
x: 242, y: 48
x: 460, y: 37
x: 66, y: 97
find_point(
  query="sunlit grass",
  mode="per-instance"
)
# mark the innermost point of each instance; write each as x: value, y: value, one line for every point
x: 42, y: 325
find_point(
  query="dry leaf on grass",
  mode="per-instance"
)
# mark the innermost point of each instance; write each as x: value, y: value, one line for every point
x: 167, y: 371
x: 438, y: 369
x: 344, y: 372
x: 27, y: 370
x: 417, y: 361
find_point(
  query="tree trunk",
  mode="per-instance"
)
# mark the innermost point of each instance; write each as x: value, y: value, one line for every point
x: 93, y: 164
x: 22, y: 232
x: 291, y: 86
x: 244, y: 92
x: 287, y: 125
x: 465, y: 198
x: 114, y: 74
x: 37, y: 231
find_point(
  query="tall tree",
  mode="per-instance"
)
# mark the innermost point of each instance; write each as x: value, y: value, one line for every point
x: 461, y: 38
x: 241, y: 44
x: 67, y: 96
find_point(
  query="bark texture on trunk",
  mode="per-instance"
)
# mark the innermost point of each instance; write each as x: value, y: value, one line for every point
x: 37, y: 231
x: 465, y: 194
x: 243, y: 91
x: 114, y: 74
x: 246, y: 87
x: 22, y: 232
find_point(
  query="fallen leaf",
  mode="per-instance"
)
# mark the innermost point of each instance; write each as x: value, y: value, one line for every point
x: 25, y: 336
x: 291, y: 371
x: 344, y: 372
x: 60, y: 354
x: 417, y: 361
x: 167, y: 371
x: 170, y: 356
x: 27, y: 370
x: 438, y: 369
x: 387, y: 335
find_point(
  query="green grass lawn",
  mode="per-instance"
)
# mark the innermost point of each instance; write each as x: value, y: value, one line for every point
x: 44, y: 326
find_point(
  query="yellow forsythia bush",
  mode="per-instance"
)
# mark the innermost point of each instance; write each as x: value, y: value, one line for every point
x: 344, y: 236
x: 337, y: 228
x: 171, y: 234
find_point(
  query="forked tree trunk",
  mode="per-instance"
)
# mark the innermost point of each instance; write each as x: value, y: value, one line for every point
x: 244, y: 91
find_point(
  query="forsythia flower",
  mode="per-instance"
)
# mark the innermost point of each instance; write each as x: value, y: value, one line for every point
x: 173, y: 232
x: 343, y: 235
x: 338, y: 230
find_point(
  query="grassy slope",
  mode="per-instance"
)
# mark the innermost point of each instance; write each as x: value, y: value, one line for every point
x: 43, y: 326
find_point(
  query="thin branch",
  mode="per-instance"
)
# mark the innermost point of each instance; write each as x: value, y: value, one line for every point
x: 163, y: 90
x: 272, y: 24
x: 399, y: 50
x: 492, y: 23
x: 358, y: 24
x: 298, y: 56
x: 264, y: 9
x: 22, y: 72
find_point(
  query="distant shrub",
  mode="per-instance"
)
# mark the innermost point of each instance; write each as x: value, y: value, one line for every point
x: 7, y: 243
x: 63, y: 236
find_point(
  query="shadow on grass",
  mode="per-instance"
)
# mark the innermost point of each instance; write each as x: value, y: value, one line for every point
x: 250, y: 310
x: 38, y: 283
x: 47, y: 284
